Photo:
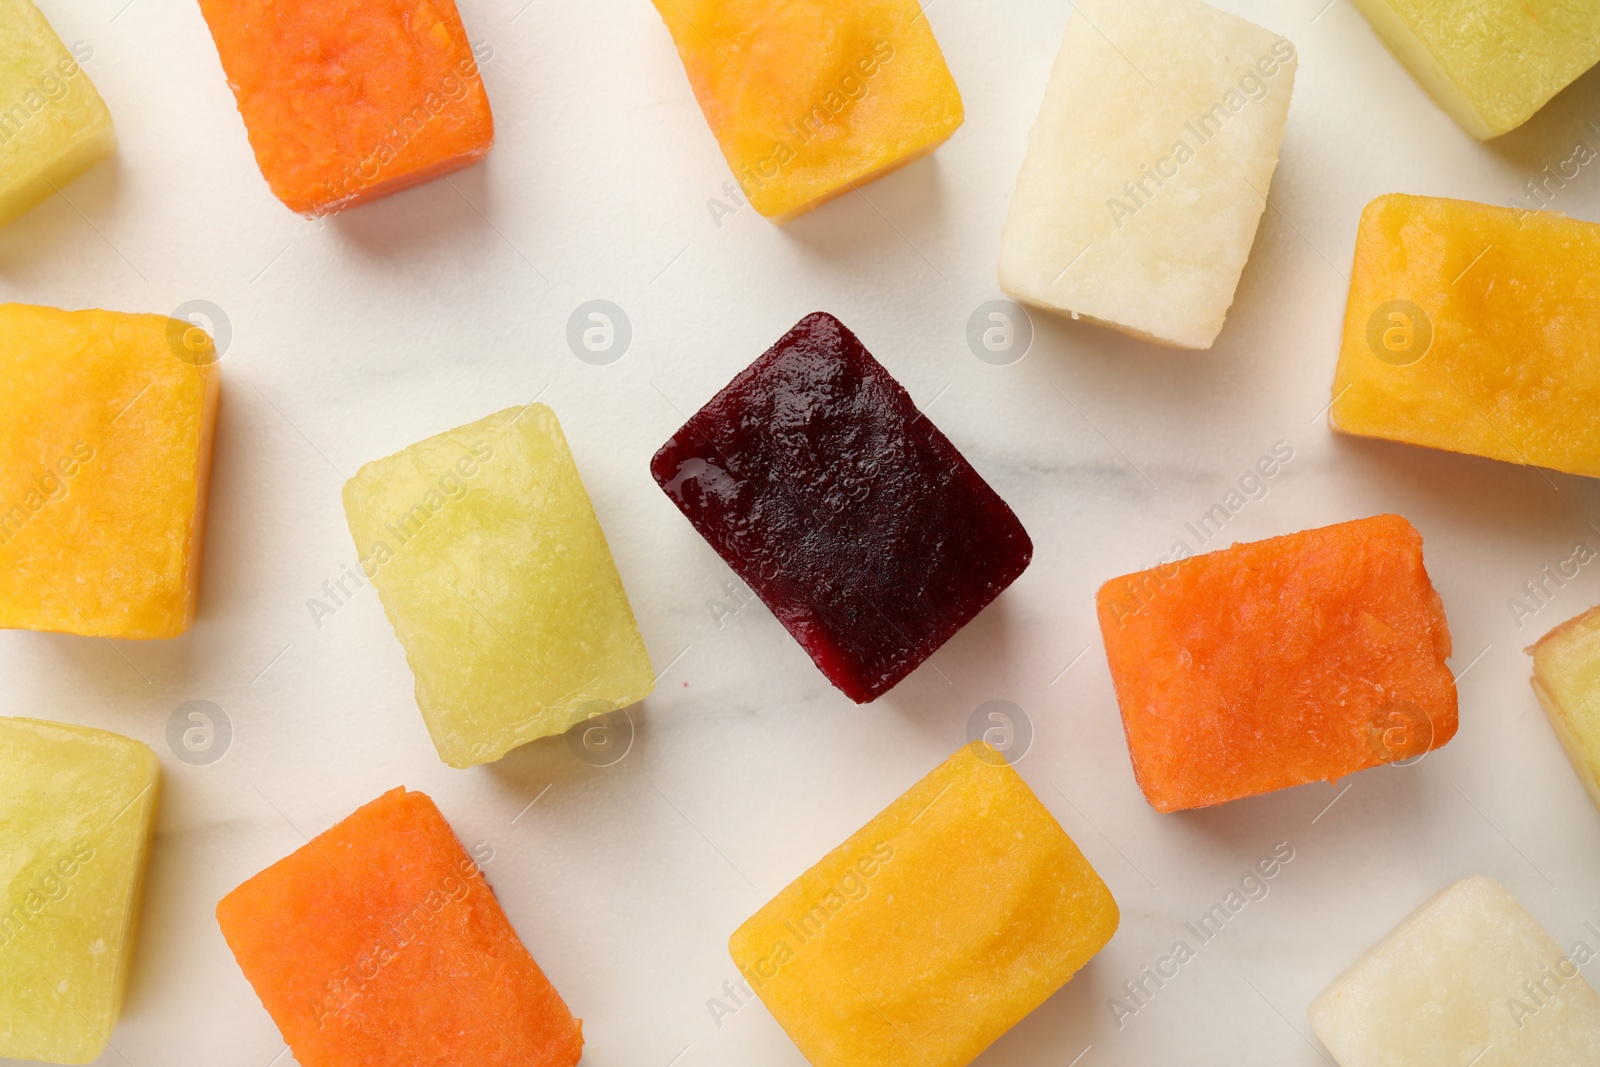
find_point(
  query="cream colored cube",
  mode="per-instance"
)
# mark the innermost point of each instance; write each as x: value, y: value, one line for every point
x: 1469, y: 978
x: 1148, y: 168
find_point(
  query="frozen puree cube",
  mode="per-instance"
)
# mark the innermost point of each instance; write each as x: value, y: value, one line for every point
x: 493, y: 569
x: 845, y: 510
x: 1296, y: 659
x: 1490, y: 63
x: 53, y: 124
x: 1469, y: 978
x: 380, y: 944
x: 346, y: 103
x: 1566, y: 676
x: 810, y: 98
x: 105, y: 456
x: 935, y: 929
x: 1474, y: 329
x: 1148, y: 168
x: 76, y: 810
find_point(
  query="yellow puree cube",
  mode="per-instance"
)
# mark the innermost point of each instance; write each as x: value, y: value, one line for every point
x: 497, y: 578
x: 1490, y: 63
x: 1566, y: 676
x: 53, y: 124
x: 1474, y: 329
x: 934, y: 929
x: 105, y: 454
x: 809, y: 98
x: 76, y: 808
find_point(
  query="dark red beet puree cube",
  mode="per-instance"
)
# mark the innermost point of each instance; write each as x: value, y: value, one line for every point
x: 852, y: 517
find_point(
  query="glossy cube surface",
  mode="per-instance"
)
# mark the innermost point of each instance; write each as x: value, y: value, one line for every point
x: 847, y: 512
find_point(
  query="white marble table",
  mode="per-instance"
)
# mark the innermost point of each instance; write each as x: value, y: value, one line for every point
x: 356, y: 337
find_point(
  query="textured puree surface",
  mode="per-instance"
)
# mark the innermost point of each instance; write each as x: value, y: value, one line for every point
x: 380, y: 944
x: 1148, y: 168
x: 849, y: 514
x: 53, y: 123
x: 1504, y: 359
x: 494, y: 571
x: 345, y: 103
x: 77, y: 807
x: 809, y: 98
x: 105, y: 454
x: 934, y: 929
x: 1566, y: 677
x: 1490, y: 63
x: 1292, y: 660
x: 1449, y: 987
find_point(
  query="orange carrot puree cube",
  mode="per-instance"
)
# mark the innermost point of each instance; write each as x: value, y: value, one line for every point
x: 810, y: 98
x: 1292, y: 660
x: 380, y: 944
x: 106, y: 425
x: 348, y: 102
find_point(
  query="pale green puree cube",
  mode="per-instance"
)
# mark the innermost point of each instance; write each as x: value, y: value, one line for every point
x: 76, y: 808
x: 493, y: 569
x: 53, y: 124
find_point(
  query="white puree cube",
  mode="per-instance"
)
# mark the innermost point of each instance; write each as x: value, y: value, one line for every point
x: 1469, y: 978
x: 1148, y: 168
